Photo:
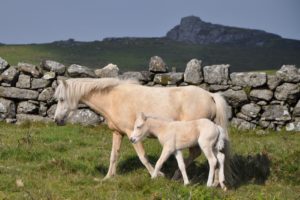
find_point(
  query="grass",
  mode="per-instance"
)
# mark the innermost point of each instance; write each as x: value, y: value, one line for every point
x: 69, y: 162
x: 134, y: 54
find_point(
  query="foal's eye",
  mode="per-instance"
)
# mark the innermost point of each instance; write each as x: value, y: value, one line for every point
x: 139, y: 127
x: 61, y: 100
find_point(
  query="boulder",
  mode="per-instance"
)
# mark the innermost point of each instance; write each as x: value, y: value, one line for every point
x: 296, y: 111
x: 47, y: 95
x: 16, y: 93
x: 10, y: 75
x: 242, y: 124
x: 85, y: 117
x: 193, y: 72
x: 29, y: 69
x: 217, y: 88
x: 143, y: 76
x: 109, y: 71
x: 49, y: 75
x: 288, y: 73
x: 26, y: 107
x: 37, y: 83
x: 235, y: 98
x: 216, y: 74
x: 261, y: 94
x: 251, y: 79
x: 276, y: 113
x: 7, y: 109
x: 157, y: 65
x: 273, y: 81
x: 54, y: 66
x: 23, y: 81
x: 3, y: 64
x: 171, y: 78
x: 251, y: 110
x: 80, y: 71
x: 33, y: 118
x: 293, y: 126
x: 288, y: 92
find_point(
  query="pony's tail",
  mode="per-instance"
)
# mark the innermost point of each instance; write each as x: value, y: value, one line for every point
x: 223, y: 140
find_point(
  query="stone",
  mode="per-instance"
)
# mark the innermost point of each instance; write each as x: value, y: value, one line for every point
x: 288, y: 73
x: 235, y: 98
x: 51, y: 111
x: 296, y: 111
x: 171, y: 78
x: 263, y: 124
x: 251, y: 110
x: 80, y: 71
x: 273, y: 81
x: 261, y: 103
x: 293, y: 126
x: 17, y: 93
x: 243, y: 116
x: 43, y: 109
x: 216, y: 74
x: 49, y: 75
x: 37, y: 83
x: 3, y: 65
x: 54, y: 66
x: 261, y: 94
x: 29, y: 69
x: 10, y: 75
x: 193, y: 72
x: 251, y: 79
x: 217, y: 88
x: 276, y: 113
x: 26, y: 107
x: 7, y: 109
x: 33, y: 118
x: 288, y: 92
x: 85, y: 117
x: 23, y: 81
x: 242, y: 124
x: 47, y: 95
x: 109, y: 71
x: 157, y: 65
x: 143, y: 76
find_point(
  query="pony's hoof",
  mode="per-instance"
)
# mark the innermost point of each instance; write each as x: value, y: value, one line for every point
x: 224, y: 188
x: 176, y: 175
x: 106, y: 178
x: 186, y: 184
x: 215, y: 184
x: 161, y: 174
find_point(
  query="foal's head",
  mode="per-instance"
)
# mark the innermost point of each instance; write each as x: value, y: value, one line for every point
x: 65, y: 104
x: 141, y: 130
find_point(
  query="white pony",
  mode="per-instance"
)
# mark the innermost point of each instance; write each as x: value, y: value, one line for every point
x: 177, y: 135
x: 119, y: 101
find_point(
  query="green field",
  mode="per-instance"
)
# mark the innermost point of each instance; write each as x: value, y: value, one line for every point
x: 134, y: 54
x: 69, y: 162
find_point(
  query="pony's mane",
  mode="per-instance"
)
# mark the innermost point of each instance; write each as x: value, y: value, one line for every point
x: 76, y: 88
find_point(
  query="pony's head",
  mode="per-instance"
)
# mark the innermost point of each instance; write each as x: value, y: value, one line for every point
x: 65, y: 102
x: 141, y: 129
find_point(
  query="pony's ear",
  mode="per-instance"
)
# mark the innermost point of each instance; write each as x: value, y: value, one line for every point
x: 63, y: 82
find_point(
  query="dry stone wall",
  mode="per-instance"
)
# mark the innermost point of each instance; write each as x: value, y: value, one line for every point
x: 255, y: 99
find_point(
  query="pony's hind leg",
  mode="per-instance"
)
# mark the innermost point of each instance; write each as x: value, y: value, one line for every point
x: 221, y: 159
x: 181, y: 165
x: 212, y: 161
x: 116, y: 144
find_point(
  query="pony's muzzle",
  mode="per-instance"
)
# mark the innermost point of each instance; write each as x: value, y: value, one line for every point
x: 59, y: 122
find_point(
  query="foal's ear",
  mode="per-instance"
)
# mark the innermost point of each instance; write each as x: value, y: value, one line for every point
x: 143, y: 116
x: 63, y: 82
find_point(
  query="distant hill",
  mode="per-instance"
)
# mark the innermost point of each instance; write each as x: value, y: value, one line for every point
x: 243, y: 49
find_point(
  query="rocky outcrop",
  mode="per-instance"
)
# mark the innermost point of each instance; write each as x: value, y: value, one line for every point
x: 196, y: 31
x: 255, y: 99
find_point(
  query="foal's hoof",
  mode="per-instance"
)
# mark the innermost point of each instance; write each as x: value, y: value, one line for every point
x: 161, y: 174
x: 224, y: 188
x: 106, y: 178
x: 186, y: 184
x: 215, y: 184
x: 176, y: 175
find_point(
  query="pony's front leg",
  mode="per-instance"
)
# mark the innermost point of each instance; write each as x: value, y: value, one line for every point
x: 139, y: 148
x: 166, y: 152
x: 116, y: 144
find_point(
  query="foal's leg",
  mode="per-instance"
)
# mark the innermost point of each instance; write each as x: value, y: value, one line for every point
x: 166, y: 152
x: 221, y: 159
x: 139, y: 148
x: 179, y: 158
x: 212, y: 161
x: 194, y: 152
x: 116, y: 144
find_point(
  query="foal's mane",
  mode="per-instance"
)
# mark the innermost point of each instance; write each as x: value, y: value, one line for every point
x: 76, y: 88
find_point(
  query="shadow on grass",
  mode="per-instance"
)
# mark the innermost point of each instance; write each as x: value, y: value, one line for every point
x: 247, y: 169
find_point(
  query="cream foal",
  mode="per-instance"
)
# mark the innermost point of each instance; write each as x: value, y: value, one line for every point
x: 177, y: 135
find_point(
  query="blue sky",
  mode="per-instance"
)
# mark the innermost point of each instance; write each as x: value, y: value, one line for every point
x: 38, y: 21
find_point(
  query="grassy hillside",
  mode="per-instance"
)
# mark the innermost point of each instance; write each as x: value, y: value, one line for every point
x: 69, y: 163
x: 134, y: 54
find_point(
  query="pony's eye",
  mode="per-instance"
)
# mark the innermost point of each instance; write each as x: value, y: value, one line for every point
x: 61, y: 100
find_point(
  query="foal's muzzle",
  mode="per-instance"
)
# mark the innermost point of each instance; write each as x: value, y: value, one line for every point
x: 132, y: 140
